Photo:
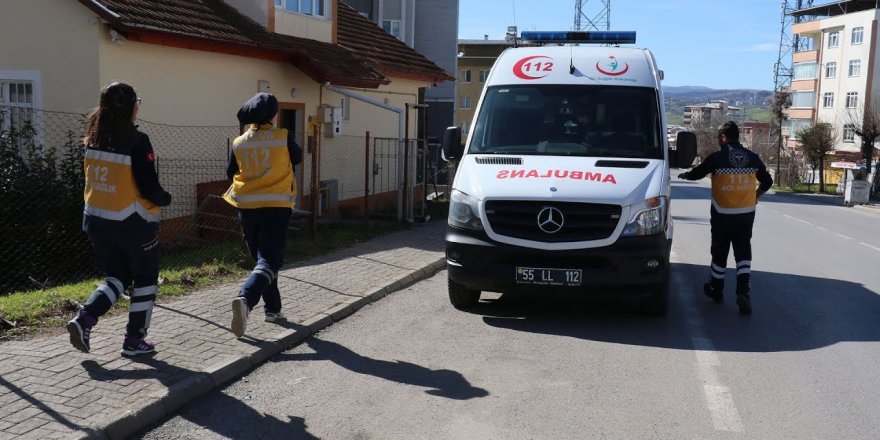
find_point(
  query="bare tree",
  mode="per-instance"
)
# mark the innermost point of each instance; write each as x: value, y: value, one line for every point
x: 781, y: 102
x: 706, y: 131
x: 865, y: 119
x: 816, y: 141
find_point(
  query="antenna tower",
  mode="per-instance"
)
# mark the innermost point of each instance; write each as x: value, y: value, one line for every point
x: 592, y: 15
x: 783, y: 69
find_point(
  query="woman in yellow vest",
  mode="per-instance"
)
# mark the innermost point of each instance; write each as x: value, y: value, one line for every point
x: 121, y: 217
x: 263, y: 190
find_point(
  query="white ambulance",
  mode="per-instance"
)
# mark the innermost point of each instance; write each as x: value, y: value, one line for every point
x: 563, y: 184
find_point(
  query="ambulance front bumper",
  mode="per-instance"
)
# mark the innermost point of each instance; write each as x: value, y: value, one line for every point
x: 627, y: 266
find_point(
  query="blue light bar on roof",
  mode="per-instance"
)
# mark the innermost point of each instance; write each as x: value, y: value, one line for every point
x: 593, y: 37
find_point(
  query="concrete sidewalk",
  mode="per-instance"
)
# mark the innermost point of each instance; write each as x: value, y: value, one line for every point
x: 50, y: 390
x: 873, y: 205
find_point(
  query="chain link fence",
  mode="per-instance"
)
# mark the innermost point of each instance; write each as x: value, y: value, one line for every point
x: 41, y: 191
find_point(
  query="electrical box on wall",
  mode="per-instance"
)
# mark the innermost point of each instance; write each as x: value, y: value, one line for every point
x: 333, y: 126
x: 325, y: 112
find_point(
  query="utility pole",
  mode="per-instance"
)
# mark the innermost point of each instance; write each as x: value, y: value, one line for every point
x: 783, y: 70
x: 592, y: 15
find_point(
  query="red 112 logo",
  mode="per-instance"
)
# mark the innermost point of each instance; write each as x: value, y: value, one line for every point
x: 533, y: 67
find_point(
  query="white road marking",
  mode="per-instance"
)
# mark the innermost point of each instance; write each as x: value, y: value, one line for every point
x: 799, y: 220
x: 719, y: 400
x: 845, y: 237
x: 724, y: 414
x: 821, y: 228
x: 705, y: 351
x: 869, y: 246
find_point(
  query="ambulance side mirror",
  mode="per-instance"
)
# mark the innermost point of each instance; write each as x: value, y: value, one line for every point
x: 451, y: 144
x: 685, y: 150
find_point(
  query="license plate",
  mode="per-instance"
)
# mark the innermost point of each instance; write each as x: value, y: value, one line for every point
x: 548, y: 277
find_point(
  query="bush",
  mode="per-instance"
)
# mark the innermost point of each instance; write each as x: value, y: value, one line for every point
x: 41, y: 203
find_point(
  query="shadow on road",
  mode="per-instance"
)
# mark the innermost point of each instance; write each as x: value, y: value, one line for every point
x: 222, y: 414
x: 791, y: 313
x: 442, y: 383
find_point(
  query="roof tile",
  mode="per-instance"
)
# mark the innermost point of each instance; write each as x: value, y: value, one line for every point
x: 364, y: 49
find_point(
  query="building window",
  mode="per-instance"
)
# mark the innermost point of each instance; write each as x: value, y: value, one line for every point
x: 828, y: 100
x: 465, y: 127
x: 852, y: 99
x: 19, y: 103
x: 858, y: 35
x: 392, y: 27
x: 464, y: 76
x: 306, y: 7
x: 484, y: 74
x: 804, y: 71
x: 796, y: 125
x: 849, y: 133
x: 16, y: 104
x: 803, y: 99
x: 465, y: 102
x: 833, y: 39
x: 855, y: 68
x: 831, y: 70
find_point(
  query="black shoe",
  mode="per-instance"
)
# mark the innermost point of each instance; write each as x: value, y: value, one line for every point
x: 744, y: 303
x: 716, y: 294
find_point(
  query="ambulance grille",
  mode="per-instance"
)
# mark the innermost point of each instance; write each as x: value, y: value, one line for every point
x: 622, y: 163
x: 499, y: 160
x: 582, y: 221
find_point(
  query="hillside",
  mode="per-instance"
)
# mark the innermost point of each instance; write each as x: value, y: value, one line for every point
x: 756, y: 103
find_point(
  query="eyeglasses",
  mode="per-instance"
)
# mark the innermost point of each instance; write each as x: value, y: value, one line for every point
x: 137, y: 101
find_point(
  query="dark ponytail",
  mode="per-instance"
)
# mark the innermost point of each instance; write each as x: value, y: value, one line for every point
x: 109, y: 125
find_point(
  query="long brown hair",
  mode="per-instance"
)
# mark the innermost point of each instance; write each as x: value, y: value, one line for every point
x: 109, y: 125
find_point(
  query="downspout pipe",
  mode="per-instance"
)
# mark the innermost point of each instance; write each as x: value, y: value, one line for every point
x: 400, y: 129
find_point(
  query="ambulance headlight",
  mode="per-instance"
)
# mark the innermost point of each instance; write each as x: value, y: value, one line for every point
x: 648, y: 217
x: 463, y: 211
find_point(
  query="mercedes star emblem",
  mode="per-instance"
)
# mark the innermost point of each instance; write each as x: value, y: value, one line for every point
x: 550, y: 220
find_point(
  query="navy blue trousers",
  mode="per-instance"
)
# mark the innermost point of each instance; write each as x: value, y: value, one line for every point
x: 732, y: 230
x: 265, y: 232
x: 127, y: 253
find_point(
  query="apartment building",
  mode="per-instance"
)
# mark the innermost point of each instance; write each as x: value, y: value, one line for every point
x: 475, y: 60
x: 835, y: 73
x: 431, y: 28
x: 718, y: 111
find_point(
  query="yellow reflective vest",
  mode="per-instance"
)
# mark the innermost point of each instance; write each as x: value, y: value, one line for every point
x: 265, y: 175
x: 733, y: 190
x: 110, y: 191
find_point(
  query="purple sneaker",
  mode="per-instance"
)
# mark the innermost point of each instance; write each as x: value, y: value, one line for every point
x: 80, y: 329
x: 137, y: 346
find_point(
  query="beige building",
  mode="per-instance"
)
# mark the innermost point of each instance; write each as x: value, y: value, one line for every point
x: 834, y: 74
x: 475, y: 60
x: 714, y: 111
x: 195, y: 62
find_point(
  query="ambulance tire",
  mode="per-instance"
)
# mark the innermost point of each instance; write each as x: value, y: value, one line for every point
x: 657, y: 303
x: 461, y: 297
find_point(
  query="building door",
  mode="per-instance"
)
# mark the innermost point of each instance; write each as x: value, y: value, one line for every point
x: 290, y: 116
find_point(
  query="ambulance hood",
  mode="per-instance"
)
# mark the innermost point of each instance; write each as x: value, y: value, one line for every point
x: 560, y: 178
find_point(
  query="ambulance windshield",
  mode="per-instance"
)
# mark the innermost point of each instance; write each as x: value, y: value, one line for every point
x: 569, y: 120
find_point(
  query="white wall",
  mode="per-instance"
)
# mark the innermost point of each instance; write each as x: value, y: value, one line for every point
x: 842, y: 84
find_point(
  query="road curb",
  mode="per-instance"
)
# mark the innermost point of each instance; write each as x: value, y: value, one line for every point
x: 137, y: 417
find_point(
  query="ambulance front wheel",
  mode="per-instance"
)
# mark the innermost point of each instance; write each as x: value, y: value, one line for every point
x: 461, y: 297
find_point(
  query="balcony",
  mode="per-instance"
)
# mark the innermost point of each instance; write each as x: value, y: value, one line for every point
x: 807, y: 28
x: 806, y: 56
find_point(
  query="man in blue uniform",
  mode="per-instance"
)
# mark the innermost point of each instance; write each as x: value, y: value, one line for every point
x: 734, y: 171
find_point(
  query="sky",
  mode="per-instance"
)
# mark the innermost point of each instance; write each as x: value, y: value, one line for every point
x: 711, y: 43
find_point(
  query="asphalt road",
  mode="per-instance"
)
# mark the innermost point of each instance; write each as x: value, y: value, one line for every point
x: 803, y: 366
